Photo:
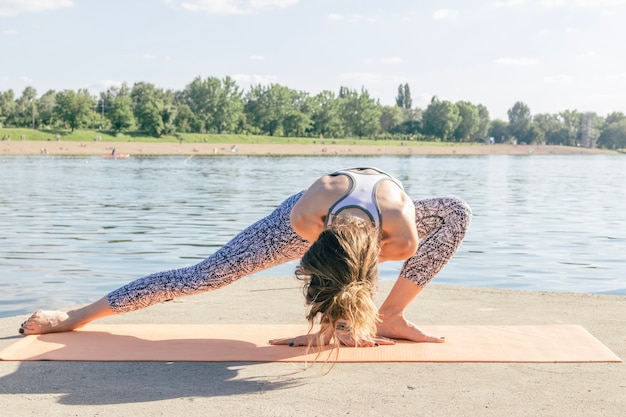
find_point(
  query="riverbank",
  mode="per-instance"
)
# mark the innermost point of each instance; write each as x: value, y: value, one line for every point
x: 364, y: 389
x: 158, y: 149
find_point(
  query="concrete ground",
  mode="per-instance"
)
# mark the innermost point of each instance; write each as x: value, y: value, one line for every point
x: 359, y: 389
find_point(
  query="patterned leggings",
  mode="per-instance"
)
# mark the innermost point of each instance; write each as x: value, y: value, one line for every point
x: 441, y: 225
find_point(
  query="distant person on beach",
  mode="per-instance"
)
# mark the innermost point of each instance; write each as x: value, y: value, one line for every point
x: 340, y: 228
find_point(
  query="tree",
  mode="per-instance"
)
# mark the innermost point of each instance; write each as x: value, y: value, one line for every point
x: 547, y: 122
x: 555, y: 132
x: 570, y: 119
x: 614, y: 118
x: 266, y: 108
x: 614, y: 136
x: 76, y: 109
x: 105, y: 102
x: 361, y: 114
x: 276, y: 110
x: 186, y: 120
x: 148, y: 101
x: 558, y: 136
x: 120, y: 113
x: 440, y: 119
x: 411, y: 123
x: 7, y: 106
x: 325, y: 114
x: 403, y: 99
x: 150, y: 119
x: 499, y: 131
x: 534, y: 134
x: 216, y: 103
x: 298, y: 122
x: 469, y: 122
x: 230, y: 108
x: 391, y: 119
x: 484, y: 121
x: 519, y: 121
x: 45, y: 109
x: 25, y: 109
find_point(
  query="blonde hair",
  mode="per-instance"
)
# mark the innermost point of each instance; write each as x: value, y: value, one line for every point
x: 340, y: 275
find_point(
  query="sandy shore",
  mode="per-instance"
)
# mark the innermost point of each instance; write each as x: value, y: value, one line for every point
x: 139, y: 149
x: 367, y: 389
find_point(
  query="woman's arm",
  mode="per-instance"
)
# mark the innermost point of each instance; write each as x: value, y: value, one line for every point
x: 400, y: 239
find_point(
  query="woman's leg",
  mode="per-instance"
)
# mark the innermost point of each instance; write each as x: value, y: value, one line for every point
x: 441, y: 225
x: 269, y: 242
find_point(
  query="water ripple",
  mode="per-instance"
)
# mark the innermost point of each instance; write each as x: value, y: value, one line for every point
x: 76, y: 228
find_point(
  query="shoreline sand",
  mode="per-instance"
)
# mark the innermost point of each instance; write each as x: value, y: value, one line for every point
x: 156, y: 149
x: 363, y: 389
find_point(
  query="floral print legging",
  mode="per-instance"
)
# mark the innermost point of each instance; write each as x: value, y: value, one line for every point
x: 441, y: 225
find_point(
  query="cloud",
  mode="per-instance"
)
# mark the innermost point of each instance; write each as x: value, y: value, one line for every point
x: 352, y: 18
x: 25, y: 79
x: 368, y: 78
x: 256, y: 58
x: 281, y: 4
x: 617, y: 77
x: 9, y: 32
x: 255, y: 78
x: 103, y: 85
x: 212, y: 6
x: 225, y: 7
x: 560, y: 3
x: 407, y: 17
x: 588, y: 55
x: 510, y: 3
x: 516, y: 62
x: 445, y: 14
x: 149, y: 57
x: 392, y: 60
x: 15, y: 7
x: 558, y: 79
x: 422, y: 99
x: 582, y: 3
x: 361, y: 77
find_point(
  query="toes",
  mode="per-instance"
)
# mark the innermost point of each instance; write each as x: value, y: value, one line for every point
x: 433, y: 339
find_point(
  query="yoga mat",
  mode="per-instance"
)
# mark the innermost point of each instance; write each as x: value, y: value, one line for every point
x: 249, y: 343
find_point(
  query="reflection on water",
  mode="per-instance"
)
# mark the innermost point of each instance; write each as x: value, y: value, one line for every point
x: 75, y: 228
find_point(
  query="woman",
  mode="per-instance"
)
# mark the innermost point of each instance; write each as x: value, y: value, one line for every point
x: 341, y: 228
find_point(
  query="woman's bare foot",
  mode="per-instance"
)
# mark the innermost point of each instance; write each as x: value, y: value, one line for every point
x: 47, y: 321
x: 398, y: 327
x: 53, y: 321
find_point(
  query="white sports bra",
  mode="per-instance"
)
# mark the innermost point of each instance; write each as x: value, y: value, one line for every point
x: 361, y: 194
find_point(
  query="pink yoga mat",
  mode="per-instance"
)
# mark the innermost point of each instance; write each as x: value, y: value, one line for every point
x: 249, y: 343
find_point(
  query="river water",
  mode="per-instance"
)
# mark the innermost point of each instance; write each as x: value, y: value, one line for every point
x: 75, y: 228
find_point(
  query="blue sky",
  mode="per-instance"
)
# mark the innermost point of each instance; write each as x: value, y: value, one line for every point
x: 551, y: 54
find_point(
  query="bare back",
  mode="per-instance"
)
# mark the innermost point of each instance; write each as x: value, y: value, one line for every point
x: 399, y: 237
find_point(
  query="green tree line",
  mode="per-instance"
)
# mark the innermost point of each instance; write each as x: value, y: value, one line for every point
x: 213, y: 105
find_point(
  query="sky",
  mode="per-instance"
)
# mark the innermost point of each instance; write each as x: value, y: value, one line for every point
x: 552, y: 55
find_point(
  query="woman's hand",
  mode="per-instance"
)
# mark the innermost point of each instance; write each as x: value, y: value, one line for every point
x: 315, y: 339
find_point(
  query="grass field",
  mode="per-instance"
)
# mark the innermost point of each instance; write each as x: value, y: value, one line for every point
x: 107, y: 136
